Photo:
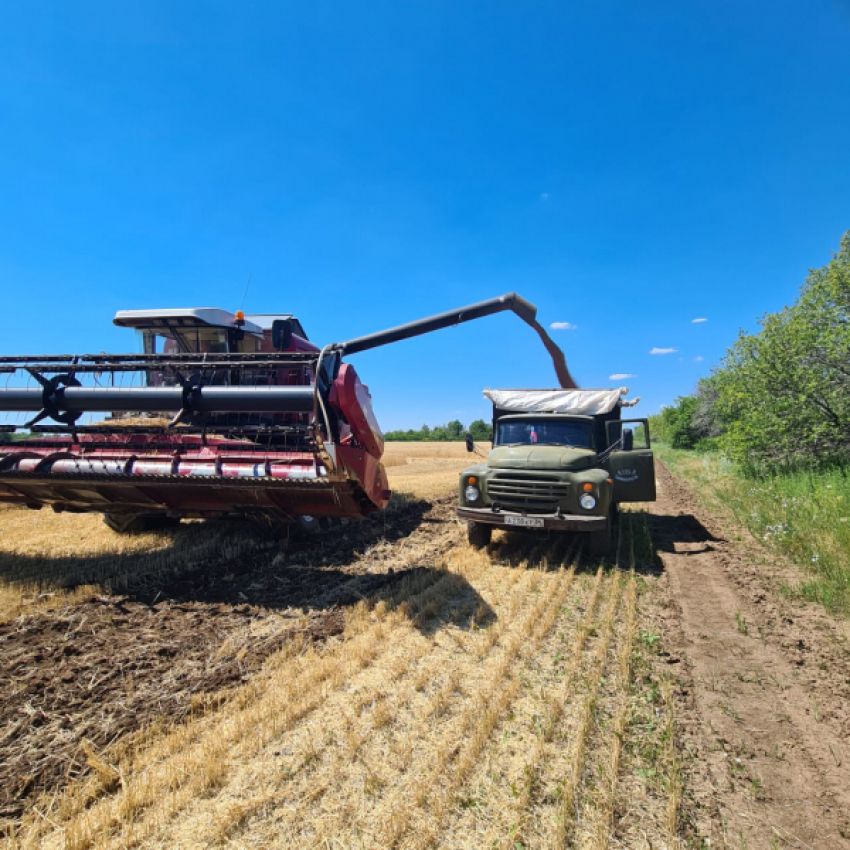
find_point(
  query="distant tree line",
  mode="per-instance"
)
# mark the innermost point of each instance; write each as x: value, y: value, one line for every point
x: 451, y: 432
x: 780, y: 398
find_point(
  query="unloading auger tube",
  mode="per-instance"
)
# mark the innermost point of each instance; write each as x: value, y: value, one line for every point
x: 245, y: 437
x: 524, y: 309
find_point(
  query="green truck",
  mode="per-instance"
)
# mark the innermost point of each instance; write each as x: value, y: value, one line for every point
x: 561, y: 460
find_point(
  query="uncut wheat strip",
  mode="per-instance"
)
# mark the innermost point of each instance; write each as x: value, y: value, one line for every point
x: 555, y: 708
x: 566, y: 821
x: 190, y: 758
x: 602, y: 811
x: 307, y: 775
x: 452, y: 762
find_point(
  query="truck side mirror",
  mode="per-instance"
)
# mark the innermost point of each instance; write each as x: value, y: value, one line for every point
x: 282, y: 334
x: 470, y: 445
x: 628, y: 439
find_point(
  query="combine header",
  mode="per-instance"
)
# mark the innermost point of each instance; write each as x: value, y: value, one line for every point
x: 220, y: 415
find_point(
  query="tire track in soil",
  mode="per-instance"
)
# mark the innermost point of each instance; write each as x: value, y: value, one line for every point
x: 762, y: 698
x: 109, y: 666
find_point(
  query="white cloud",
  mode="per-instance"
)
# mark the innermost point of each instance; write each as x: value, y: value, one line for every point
x: 563, y: 326
x: 544, y: 196
x: 620, y: 376
x: 698, y: 321
x: 663, y: 350
x: 699, y: 359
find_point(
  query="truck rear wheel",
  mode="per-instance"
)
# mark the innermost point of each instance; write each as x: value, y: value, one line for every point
x: 479, y: 534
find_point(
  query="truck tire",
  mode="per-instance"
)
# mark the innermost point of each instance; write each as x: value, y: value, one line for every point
x: 479, y: 534
x: 139, y: 523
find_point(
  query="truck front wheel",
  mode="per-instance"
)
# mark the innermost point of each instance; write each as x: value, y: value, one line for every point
x: 479, y: 534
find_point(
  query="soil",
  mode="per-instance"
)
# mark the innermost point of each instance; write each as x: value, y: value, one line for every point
x: 763, y: 696
x: 109, y: 666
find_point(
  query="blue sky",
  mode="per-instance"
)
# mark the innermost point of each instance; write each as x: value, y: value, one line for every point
x: 626, y: 167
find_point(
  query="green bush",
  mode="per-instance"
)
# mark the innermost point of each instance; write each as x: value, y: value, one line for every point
x: 784, y: 393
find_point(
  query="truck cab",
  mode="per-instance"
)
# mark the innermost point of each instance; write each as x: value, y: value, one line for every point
x: 561, y: 461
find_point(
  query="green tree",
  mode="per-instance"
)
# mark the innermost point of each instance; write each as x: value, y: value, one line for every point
x: 784, y: 393
x: 677, y: 423
x: 454, y: 430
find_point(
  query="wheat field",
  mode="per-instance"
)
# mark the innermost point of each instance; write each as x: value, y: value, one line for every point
x: 501, y: 698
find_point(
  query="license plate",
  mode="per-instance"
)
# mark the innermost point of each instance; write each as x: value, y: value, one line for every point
x: 525, y: 521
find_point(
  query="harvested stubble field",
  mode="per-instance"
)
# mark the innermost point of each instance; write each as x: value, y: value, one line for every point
x: 389, y: 686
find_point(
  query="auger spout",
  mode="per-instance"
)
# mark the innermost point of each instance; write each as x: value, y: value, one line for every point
x: 513, y: 302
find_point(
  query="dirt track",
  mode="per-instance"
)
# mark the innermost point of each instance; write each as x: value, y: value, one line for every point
x: 484, y: 700
x: 764, y: 686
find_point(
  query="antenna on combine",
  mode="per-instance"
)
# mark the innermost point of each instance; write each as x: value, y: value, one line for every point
x: 245, y: 294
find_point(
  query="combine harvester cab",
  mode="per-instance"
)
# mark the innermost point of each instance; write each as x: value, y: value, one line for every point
x: 218, y: 415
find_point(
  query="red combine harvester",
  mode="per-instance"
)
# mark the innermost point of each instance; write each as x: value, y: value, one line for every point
x: 220, y: 415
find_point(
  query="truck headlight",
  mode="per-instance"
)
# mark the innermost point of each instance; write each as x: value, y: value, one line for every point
x: 471, y: 493
x: 587, y: 502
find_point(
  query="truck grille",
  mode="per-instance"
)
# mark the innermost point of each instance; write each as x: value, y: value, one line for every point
x: 538, y: 493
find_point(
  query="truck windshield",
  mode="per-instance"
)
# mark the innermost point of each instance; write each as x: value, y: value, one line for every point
x: 555, y: 432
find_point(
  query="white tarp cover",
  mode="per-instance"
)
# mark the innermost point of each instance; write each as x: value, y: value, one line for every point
x: 586, y: 402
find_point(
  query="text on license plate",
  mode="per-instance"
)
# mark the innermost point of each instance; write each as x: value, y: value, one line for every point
x: 525, y: 521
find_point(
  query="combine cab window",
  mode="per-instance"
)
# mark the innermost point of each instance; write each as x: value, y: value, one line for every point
x: 187, y: 341
x: 545, y: 432
x: 202, y: 340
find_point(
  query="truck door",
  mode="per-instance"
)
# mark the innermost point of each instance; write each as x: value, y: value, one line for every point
x: 633, y: 471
